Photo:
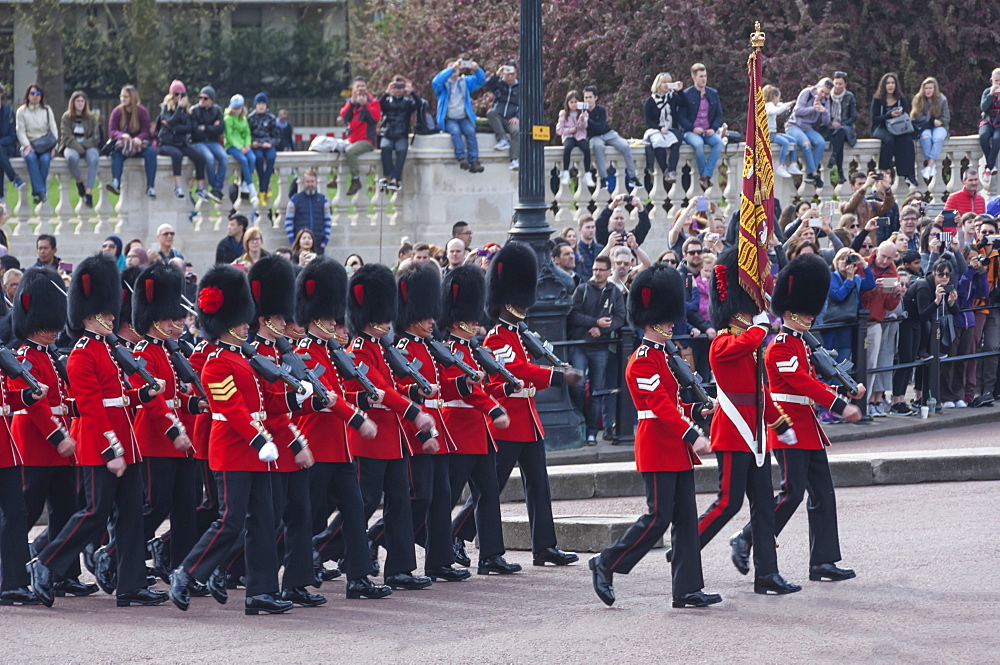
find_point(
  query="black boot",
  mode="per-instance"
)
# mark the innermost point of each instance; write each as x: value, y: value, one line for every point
x: 448, y: 574
x: 104, y: 571
x: 697, y: 599
x: 217, y: 586
x: 41, y: 582
x: 365, y: 588
x: 161, y: 559
x: 817, y: 573
x: 141, y: 597
x: 21, y: 596
x: 408, y: 581
x: 462, y: 557
x: 74, y: 587
x: 556, y: 556
x: 302, y: 597
x: 198, y: 589
x: 266, y: 603
x: 740, y: 553
x: 180, y: 589
x: 774, y: 583
x: 373, y: 550
x: 497, y: 564
x: 602, y: 578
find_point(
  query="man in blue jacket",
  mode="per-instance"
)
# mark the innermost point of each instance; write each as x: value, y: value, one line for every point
x: 503, y: 116
x: 309, y: 209
x: 454, y: 86
x: 701, y: 118
x: 8, y: 145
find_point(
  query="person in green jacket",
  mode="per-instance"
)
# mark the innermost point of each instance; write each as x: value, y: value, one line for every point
x: 238, y: 143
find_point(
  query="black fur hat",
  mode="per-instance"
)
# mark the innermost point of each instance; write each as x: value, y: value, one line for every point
x: 802, y: 286
x: 321, y: 292
x: 156, y: 296
x: 95, y: 289
x: 463, y: 296
x: 656, y: 296
x: 129, y: 275
x: 419, y: 295
x: 224, y: 301
x: 725, y: 295
x: 512, y: 278
x: 272, y: 285
x: 371, y: 297
x: 39, y: 303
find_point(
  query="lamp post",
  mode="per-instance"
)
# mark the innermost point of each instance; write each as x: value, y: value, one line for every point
x: 563, y: 424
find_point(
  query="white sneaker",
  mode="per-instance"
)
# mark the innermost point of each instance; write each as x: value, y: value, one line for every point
x: 502, y: 144
x: 948, y: 405
x: 794, y: 169
x: 244, y: 188
x: 925, y: 173
x: 252, y: 189
x: 588, y: 179
x: 960, y: 404
x: 564, y: 178
x: 985, y: 177
x: 933, y: 170
x: 514, y: 165
x: 781, y: 171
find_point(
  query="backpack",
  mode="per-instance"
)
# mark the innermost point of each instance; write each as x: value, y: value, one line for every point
x: 425, y: 123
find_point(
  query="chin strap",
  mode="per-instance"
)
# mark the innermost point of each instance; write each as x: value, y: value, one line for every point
x: 384, y: 331
x: 795, y: 317
x: 267, y: 324
x: 516, y: 312
x: 656, y: 328
x: 467, y: 328
x: 100, y: 319
x: 156, y: 325
x: 238, y: 336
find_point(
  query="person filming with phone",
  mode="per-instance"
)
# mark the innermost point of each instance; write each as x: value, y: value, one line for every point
x: 613, y: 218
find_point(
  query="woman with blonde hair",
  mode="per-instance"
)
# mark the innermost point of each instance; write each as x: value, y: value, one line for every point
x: 662, y: 131
x: 129, y: 129
x: 78, y: 139
x: 253, y: 249
x: 931, y: 117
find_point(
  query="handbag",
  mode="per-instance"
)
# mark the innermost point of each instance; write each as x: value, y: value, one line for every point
x: 843, y: 313
x: 43, y: 144
x: 899, y: 125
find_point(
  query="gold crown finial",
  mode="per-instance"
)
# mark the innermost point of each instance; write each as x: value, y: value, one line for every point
x: 757, y: 37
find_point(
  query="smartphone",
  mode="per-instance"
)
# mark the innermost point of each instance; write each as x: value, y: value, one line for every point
x: 993, y: 239
x: 831, y: 209
x: 623, y: 238
x: 948, y: 225
x: 815, y: 222
x: 483, y: 252
x: 883, y: 222
x: 466, y: 64
x: 889, y: 283
x: 877, y: 176
x: 677, y: 86
x: 582, y: 106
x: 66, y: 267
x: 813, y: 205
x: 701, y: 204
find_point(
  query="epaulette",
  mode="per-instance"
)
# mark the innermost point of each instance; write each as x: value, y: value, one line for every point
x: 780, y: 338
x: 82, y: 342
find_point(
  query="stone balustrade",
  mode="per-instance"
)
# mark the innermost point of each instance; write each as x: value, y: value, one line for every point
x: 435, y: 194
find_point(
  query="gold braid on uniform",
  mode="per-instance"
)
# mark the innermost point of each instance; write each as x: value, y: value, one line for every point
x: 384, y: 331
x: 516, y: 312
x: 238, y: 336
x: 468, y: 329
x: 100, y: 319
x: 267, y: 324
x: 656, y: 327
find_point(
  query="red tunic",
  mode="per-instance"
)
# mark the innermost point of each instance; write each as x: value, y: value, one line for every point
x: 450, y: 389
x: 10, y: 400
x: 158, y: 422
x: 665, y: 433
x: 467, y: 415
x: 286, y: 435
x: 202, y: 422
x: 39, y: 428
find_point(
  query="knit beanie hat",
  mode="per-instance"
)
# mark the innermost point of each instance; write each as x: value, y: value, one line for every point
x: 209, y: 92
x: 236, y: 102
x: 177, y: 86
x: 261, y: 98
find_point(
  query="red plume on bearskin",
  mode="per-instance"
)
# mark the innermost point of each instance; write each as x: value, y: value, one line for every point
x: 210, y: 299
x: 726, y: 296
x: 721, y: 281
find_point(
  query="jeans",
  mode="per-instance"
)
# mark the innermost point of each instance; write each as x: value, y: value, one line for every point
x: 246, y: 163
x: 593, y: 360
x: 394, y: 156
x: 148, y: 155
x: 503, y: 129
x: 6, y: 169
x: 583, y: 145
x: 265, y: 166
x: 612, y: 139
x: 73, y: 161
x: 38, y: 170
x: 931, y: 141
x: 215, y: 160
x: 813, y: 156
x: 706, y: 166
x: 989, y: 141
x: 787, y: 144
x: 352, y: 153
x: 458, y: 129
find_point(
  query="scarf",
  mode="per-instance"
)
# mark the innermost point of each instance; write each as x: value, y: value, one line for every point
x: 835, y: 101
x: 661, y: 103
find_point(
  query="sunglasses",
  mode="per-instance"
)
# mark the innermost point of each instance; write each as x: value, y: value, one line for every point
x: 854, y: 226
x: 34, y: 92
x: 866, y: 246
x: 623, y: 263
x: 672, y: 262
x: 694, y: 252
x: 946, y: 273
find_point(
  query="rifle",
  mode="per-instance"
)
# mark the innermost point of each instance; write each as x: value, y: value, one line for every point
x: 297, y: 366
x: 344, y: 363
x: 10, y: 366
x: 129, y: 363
x: 59, y: 360
x: 401, y: 367
x: 270, y: 371
x: 682, y: 372
x: 491, y: 365
x: 447, y: 358
x: 828, y: 368
x: 538, y: 347
x: 185, y: 372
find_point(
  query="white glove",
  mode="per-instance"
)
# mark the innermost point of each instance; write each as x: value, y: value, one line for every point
x: 268, y: 452
x: 762, y: 319
x: 788, y: 438
x: 300, y: 397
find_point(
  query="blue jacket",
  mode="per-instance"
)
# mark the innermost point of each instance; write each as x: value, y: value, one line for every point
x: 473, y: 82
x: 8, y: 129
x: 688, y: 107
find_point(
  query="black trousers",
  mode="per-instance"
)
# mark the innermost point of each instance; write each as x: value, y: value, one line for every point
x: 479, y: 471
x: 390, y: 477
x: 106, y: 496
x: 907, y: 346
x: 530, y: 457
x: 803, y: 470
x: 293, y: 513
x: 170, y: 492
x: 56, y: 487
x: 739, y: 475
x: 345, y: 537
x: 13, y: 531
x: 837, y: 139
x: 896, y: 150
x: 670, y: 497
x: 208, y: 511
x: 177, y: 153
x: 244, y: 500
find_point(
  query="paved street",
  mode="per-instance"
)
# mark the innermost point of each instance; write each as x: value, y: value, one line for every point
x: 927, y: 592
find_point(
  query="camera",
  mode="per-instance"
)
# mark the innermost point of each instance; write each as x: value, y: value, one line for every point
x: 851, y: 258
x: 877, y: 176
x: 191, y: 278
x: 483, y: 252
x: 466, y: 64
x: 948, y: 288
x: 398, y: 85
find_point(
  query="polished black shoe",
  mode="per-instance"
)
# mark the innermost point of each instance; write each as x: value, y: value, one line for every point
x: 462, y: 557
x: 41, y: 582
x: 217, y: 586
x: 554, y: 555
x: 740, y: 553
x: 88, y: 558
x: 198, y: 589
x: 365, y: 588
x: 774, y: 583
x: 266, y: 603
x: 826, y: 571
x: 180, y: 589
x: 22, y: 596
x: 448, y: 574
x: 602, y: 577
x: 160, y: 555
x: 697, y: 599
x: 302, y: 597
x: 497, y: 564
x: 142, y: 597
x: 407, y: 581
x: 104, y: 571
x: 328, y: 574
x: 670, y: 555
x: 373, y: 550
x: 73, y: 587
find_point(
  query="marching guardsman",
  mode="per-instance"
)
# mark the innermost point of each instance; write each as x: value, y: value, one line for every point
x: 172, y: 475
x: 667, y: 444
x: 799, y: 296
x: 382, y: 464
x: 463, y: 300
x: 511, y: 283
x: 41, y: 430
x: 106, y: 446
x: 733, y: 357
x: 241, y: 452
x: 320, y: 303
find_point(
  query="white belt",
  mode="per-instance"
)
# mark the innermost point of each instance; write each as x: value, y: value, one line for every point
x: 794, y: 399
x: 56, y: 411
x: 646, y: 415
x: 174, y: 403
x: 381, y: 406
x: 256, y: 416
x: 434, y: 403
x: 115, y: 401
x: 524, y: 392
x: 458, y: 404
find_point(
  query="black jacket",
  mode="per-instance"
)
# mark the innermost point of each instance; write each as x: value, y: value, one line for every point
x: 597, y: 123
x: 396, y: 114
x: 641, y: 229
x: 264, y: 128
x: 506, y: 98
x: 205, y: 129
x: 173, y: 127
x: 651, y: 114
x: 591, y: 303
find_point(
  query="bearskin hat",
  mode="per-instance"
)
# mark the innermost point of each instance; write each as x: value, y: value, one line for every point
x: 726, y: 298
x: 321, y: 292
x: 512, y: 278
x: 801, y: 286
x: 156, y: 296
x: 39, y: 303
x: 224, y: 301
x: 371, y: 297
x: 272, y: 285
x: 419, y: 295
x: 463, y: 296
x: 657, y: 296
x: 95, y: 289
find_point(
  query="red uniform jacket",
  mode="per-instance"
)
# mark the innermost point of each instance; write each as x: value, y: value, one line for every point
x: 389, y: 442
x: 11, y: 400
x: 158, y: 423
x: 326, y: 429
x: 286, y: 435
x: 203, y: 421
x: 450, y: 389
x: 467, y: 416
x: 791, y: 374
x: 733, y: 357
x: 41, y: 426
x: 104, y: 399
x: 525, y: 425
x: 665, y: 433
